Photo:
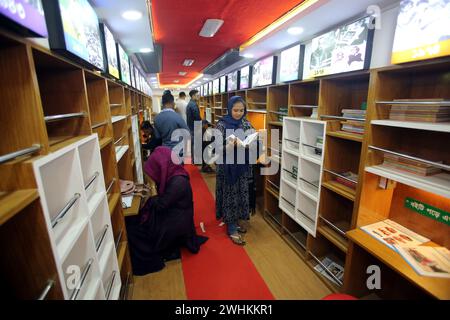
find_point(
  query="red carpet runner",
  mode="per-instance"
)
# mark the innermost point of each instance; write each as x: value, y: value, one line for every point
x: 222, y: 270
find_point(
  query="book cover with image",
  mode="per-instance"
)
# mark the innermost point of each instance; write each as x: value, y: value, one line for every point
x: 427, y: 261
x: 393, y: 234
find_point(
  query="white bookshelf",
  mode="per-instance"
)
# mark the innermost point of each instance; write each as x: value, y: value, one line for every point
x: 73, y: 196
x: 439, y: 127
x: 300, y: 188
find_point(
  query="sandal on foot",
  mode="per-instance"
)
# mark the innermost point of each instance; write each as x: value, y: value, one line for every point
x: 241, y: 229
x: 237, y: 239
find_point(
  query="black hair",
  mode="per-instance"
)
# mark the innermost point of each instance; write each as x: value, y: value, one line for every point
x: 193, y: 93
x: 167, y: 92
x: 167, y: 98
x: 146, y: 125
x: 182, y: 94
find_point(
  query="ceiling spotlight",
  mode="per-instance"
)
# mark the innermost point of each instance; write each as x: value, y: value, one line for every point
x: 248, y: 55
x: 132, y: 15
x: 188, y: 62
x: 210, y: 28
x: 182, y: 73
x: 295, y: 31
x: 176, y: 81
x: 145, y: 50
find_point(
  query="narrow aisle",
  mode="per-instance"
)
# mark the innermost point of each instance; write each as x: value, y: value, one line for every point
x: 222, y: 270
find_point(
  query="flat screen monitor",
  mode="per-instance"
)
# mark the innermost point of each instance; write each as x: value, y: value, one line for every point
x: 245, y: 78
x: 216, y: 86
x: 291, y: 63
x: 25, y: 16
x: 233, y: 81
x: 74, y: 28
x: 110, y: 52
x: 423, y: 31
x: 210, y: 88
x: 344, y: 49
x: 223, y: 84
x: 264, y: 72
x: 124, y: 62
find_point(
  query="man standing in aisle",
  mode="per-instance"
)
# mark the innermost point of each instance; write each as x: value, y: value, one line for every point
x: 167, y: 121
x: 181, y: 105
x: 193, y: 115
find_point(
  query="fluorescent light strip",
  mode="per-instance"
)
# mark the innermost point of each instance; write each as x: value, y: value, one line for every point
x: 278, y: 23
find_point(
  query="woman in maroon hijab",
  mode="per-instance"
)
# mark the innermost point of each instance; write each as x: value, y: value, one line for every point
x: 166, y: 222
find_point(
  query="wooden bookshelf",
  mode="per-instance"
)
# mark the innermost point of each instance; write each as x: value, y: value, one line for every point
x: 57, y: 103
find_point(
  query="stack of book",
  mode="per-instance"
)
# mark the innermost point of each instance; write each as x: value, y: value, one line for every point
x: 347, y: 183
x: 353, y: 126
x: 420, y: 113
x: 319, y: 145
x: 410, y: 166
x: 283, y: 113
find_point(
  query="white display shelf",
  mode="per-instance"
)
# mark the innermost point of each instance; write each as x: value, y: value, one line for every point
x: 120, y: 152
x: 115, y: 119
x: 65, y: 178
x: 439, y: 127
x: 312, y: 159
x: 438, y: 183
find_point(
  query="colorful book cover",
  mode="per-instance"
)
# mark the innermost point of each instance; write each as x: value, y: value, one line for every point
x: 427, y: 261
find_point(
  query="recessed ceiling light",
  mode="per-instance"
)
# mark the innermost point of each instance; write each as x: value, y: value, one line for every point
x: 145, y: 50
x: 132, y: 15
x: 188, y: 62
x: 176, y: 81
x: 210, y: 28
x: 295, y: 31
x: 248, y: 55
x: 182, y: 73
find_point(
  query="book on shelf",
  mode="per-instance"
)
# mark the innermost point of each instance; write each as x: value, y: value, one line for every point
x: 319, y: 145
x: 333, y: 267
x: 314, y: 114
x: 284, y: 111
x: 393, y: 234
x: 427, y: 261
x: 345, y: 182
x: 354, y: 113
x: 403, y: 164
x: 412, y: 110
x: 352, y: 126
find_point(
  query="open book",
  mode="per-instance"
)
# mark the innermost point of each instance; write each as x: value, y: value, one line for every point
x: 427, y: 261
x: 247, y: 141
x: 393, y: 234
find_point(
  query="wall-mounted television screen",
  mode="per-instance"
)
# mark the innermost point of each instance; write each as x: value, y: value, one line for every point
x: 136, y: 78
x: 232, y: 81
x: 223, y: 84
x: 25, y: 16
x: 245, y: 78
x: 291, y: 63
x: 423, y: 31
x: 210, y: 88
x: 74, y: 28
x: 124, y: 63
x: 347, y: 48
x: 264, y: 72
x: 205, y: 89
x: 133, y: 80
x: 110, y: 51
x: 216, y: 86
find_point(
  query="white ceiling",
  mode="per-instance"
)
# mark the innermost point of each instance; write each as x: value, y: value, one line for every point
x: 326, y: 15
x: 133, y: 35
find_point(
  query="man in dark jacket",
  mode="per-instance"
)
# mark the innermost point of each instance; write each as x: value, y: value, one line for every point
x: 192, y: 115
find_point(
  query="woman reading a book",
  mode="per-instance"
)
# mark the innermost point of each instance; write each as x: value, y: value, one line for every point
x: 166, y: 222
x: 232, y: 182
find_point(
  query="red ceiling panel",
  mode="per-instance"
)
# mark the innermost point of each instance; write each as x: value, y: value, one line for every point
x: 177, y: 24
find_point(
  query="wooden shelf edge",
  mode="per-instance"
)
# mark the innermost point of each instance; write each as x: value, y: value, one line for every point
x: 121, y: 251
x: 105, y: 141
x: 334, y: 238
x: 113, y: 201
x: 13, y: 202
x: 346, y: 135
x: 437, y: 287
x: 273, y: 192
x: 330, y: 185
